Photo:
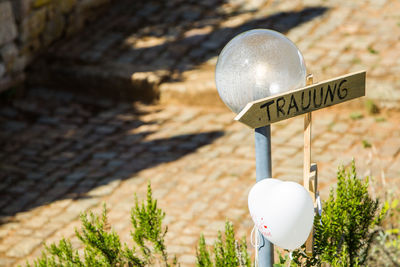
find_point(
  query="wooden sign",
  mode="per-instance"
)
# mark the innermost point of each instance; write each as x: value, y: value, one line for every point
x: 304, y: 100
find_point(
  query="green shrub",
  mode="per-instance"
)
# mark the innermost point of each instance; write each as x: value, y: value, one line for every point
x: 348, y: 225
x: 343, y: 235
x: 386, y: 250
x: 228, y: 252
x: 366, y: 144
x: 356, y: 115
x: 371, y: 107
x: 102, y: 246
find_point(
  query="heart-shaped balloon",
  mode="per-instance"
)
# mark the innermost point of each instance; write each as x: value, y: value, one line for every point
x: 282, y: 211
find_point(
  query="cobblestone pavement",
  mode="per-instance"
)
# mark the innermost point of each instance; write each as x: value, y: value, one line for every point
x: 62, y: 154
x: 170, y: 49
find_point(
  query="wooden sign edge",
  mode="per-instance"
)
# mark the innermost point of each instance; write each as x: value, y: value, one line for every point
x: 250, y: 104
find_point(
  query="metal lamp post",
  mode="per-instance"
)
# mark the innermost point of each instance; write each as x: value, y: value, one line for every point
x: 254, y: 65
x: 263, y: 171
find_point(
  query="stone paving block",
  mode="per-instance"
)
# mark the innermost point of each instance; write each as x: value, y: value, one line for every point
x: 187, y: 259
x: 65, y: 217
x: 339, y: 127
x: 11, y: 242
x: 3, y: 233
x: 8, y: 28
x: 105, y: 130
x: 21, y: 203
x: 6, y: 261
x: 14, y: 126
x: 390, y: 148
x: 104, y: 155
x: 174, y: 249
x: 76, y: 176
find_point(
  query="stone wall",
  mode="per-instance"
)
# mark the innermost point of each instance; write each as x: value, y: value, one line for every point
x: 29, y: 26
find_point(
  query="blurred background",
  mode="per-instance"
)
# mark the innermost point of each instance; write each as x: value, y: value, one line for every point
x: 97, y: 97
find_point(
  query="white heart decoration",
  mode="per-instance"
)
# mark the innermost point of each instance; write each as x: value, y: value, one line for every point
x: 282, y: 211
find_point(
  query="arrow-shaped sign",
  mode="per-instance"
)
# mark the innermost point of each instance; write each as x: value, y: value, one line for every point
x: 290, y: 104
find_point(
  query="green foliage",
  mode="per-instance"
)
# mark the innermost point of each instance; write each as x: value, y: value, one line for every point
x: 356, y: 115
x: 228, y: 252
x: 348, y: 225
x: 102, y: 246
x: 387, y: 250
x: 146, y: 220
x: 283, y: 260
x: 202, y: 254
x: 343, y: 236
x: 366, y: 144
x: 372, y: 50
x: 380, y: 119
x: 60, y: 255
x: 371, y: 107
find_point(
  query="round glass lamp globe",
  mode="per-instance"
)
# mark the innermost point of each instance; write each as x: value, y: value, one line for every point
x: 257, y: 64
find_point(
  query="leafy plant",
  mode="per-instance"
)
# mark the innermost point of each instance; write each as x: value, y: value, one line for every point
x: 356, y: 115
x: 366, y: 144
x: 283, y: 260
x: 102, y: 246
x: 228, y: 252
x: 380, y: 119
x: 147, y: 224
x: 386, y: 251
x: 343, y: 236
x: 348, y: 225
x: 371, y: 107
x: 372, y: 50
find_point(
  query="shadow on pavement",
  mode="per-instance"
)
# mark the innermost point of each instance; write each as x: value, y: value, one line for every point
x: 159, y: 40
x: 59, y: 145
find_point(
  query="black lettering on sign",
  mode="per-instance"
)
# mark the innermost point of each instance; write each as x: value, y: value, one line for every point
x: 292, y: 104
x: 302, y: 100
x: 342, y: 96
x: 315, y: 97
x: 330, y: 93
x: 267, y: 105
x: 279, y: 107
